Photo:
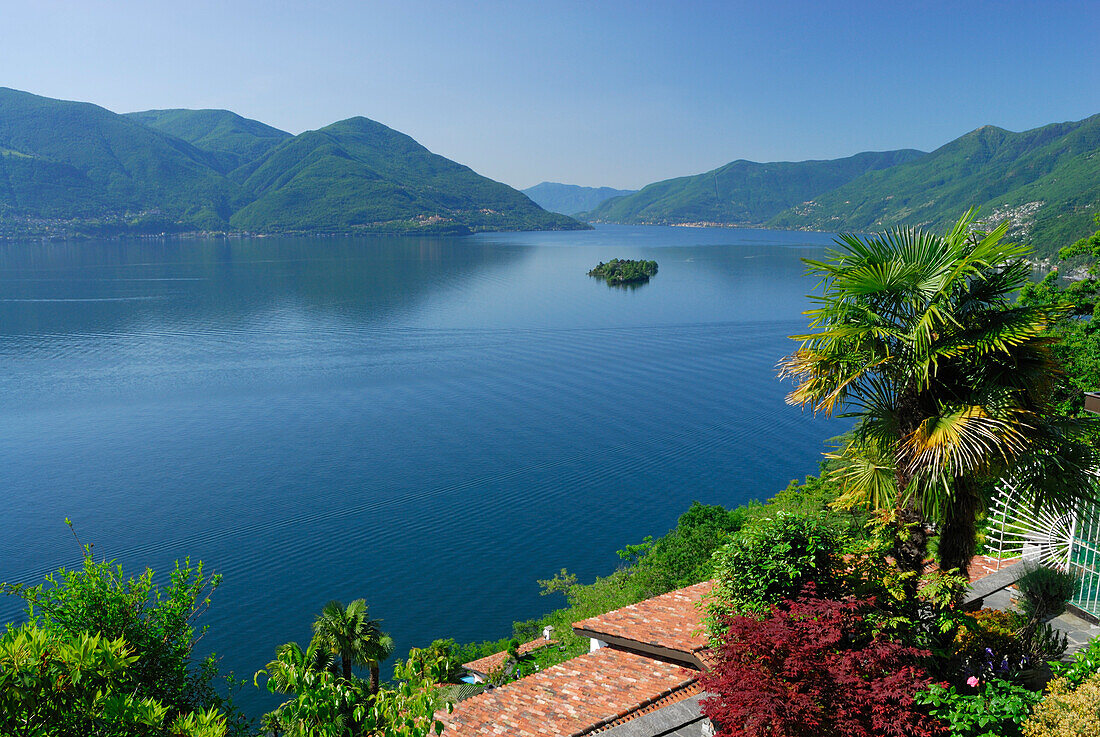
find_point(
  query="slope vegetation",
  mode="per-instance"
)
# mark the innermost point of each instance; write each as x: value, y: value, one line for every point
x: 741, y: 192
x: 231, y: 139
x: 70, y: 168
x: 359, y: 174
x: 1046, y: 180
x: 69, y: 159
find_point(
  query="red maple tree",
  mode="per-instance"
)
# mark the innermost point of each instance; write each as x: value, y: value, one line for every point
x: 811, y: 668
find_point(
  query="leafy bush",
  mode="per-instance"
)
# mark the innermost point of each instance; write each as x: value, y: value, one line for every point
x: 323, y: 704
x: 992, y: 708
x: 773, y: 560
x: 1084, y: 664
x: 1044, y: 592
x: 1067, y: 711
x: 157, y: 623
x: 812, y: 667
x: 56, y: 684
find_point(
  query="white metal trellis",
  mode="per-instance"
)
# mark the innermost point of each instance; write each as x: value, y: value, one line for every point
x: 1067, y: 540
x: 1023, y: 531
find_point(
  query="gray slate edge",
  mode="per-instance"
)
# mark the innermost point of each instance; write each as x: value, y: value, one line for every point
x: 682, y: 719
x: 994, y: 582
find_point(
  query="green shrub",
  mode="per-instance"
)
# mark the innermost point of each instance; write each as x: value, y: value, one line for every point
x: 773, y: 560
x: 60, y: 684
x: 995, y: 708
x: 1044, y: 592
x: 156, y: 621
x: 1084, y: 664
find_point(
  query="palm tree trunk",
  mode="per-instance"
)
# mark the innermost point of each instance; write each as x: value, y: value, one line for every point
x: 374, y: 676
x: 910, y: 547
x: 958, y: 535
x: 345, y: 661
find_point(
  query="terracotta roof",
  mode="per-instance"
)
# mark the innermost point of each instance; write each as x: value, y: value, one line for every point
x: 573, y: 698
x: 489, y: 662
x: 672, y: 621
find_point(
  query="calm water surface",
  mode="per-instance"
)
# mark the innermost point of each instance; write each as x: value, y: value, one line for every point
x: 432, y: 424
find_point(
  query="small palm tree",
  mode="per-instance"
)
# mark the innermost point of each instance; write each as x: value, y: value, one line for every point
x: 377, y: 652
x: 350, y: 633
x: 916, y: 336
x: 291, y: 663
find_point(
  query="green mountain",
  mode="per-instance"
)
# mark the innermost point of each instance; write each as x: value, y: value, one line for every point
x: 1046, y: 181
x: 359, y: 174
x: 570, y: 199
x: 229, y: 138
x: 70, y: 168
x: 741, y: 192
x: 77, y: 160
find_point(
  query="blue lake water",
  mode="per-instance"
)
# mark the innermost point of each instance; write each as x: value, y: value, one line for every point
x: 429, y: 423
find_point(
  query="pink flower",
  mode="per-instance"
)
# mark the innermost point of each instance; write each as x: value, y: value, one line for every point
x: 972, y: 681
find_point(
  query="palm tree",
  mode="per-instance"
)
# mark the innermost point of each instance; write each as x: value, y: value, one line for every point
x: 350, y: 633
x: 915, y: 335
x: 376, y: 652
x: 291, y: 663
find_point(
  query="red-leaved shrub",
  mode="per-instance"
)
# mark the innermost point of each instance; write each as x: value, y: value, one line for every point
x: 810, y: 668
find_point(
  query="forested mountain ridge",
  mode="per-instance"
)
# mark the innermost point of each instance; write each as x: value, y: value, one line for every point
x: 1045, y: 180
x: 741, y: 192
x: 74, y: 168
x: 234, y: 140
x: 356, y: 174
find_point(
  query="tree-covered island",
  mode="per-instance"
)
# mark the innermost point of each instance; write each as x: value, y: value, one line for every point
x: 624, y: 271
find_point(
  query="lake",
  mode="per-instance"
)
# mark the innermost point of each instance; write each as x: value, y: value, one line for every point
x: 429, y: 423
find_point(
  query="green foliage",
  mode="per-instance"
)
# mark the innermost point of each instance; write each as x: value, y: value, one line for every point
x: 773, y: 560
x: 1044, y: 592
x: 915, y: 334
x: 997, y: 708
x: 1075, y: 329
x: 625, y: 271
x: 1083, y: 665
x: 350, y: 634
x: 323, y: 704
x: 55, y: 683
x: 156, y: 622
x: 407, y: 707
x: 1046, y: 179
x: 1089, y: 246
x: 741, y: 192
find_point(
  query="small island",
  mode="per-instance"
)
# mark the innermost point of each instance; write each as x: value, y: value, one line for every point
x: 618, y: 272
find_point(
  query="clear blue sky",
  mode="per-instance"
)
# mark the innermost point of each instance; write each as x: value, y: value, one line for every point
x: 599, y: 92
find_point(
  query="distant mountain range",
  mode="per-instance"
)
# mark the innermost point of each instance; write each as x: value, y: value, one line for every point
x: 70, y: 168
x: 1046, y: 181
x: 571, y: 199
